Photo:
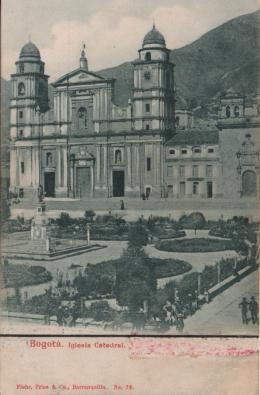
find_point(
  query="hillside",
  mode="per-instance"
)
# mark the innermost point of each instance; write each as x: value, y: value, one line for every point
x: 225, y: 57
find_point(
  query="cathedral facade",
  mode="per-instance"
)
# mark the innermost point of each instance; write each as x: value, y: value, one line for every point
x: 88, y: 147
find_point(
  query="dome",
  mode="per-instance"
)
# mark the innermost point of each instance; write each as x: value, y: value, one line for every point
x: 30, y: 50
x: 154, y: 37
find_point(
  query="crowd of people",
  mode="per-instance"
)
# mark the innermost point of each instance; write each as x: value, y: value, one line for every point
x: 249, y: 310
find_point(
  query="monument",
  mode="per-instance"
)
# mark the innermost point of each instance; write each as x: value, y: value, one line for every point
x: 40, y: 221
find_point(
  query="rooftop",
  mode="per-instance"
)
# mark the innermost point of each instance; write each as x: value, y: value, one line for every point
x: 194, y: 137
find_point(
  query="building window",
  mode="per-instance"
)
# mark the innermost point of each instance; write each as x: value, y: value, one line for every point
x: 169, y: 171
x: 172, y: 152
x: 210, y: 150
x: 147, y: 107
x: 21, y: 133
x: 228, y: 111
x: 258, y: 109
x: 118, y: 156
x: 177, y: 121
x: 22, y: 167
x: 182, y: 188
x: 148, y: 56
x: 148, y: 164
x: 82, y: 118
x: 182, y: 171
x: 49, y: 159
x: 236, y: 111
x: 184, y: 151
x: 195, y: 171
x: 21, y: 89
x: 147, y: 126
x: 195, y: 188
x: 21, y: 68
x: 209, y: 171
x: 21, y: 114
x: 196, y: 150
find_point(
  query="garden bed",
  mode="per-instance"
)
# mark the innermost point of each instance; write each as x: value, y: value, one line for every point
x: 161, y: 267
x: 201, y: 245
x: 22, y: 275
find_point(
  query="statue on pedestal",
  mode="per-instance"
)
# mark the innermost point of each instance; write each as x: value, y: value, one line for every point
x: 40, y: 193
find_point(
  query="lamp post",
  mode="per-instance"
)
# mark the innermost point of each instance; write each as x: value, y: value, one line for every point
x: 199, y: 283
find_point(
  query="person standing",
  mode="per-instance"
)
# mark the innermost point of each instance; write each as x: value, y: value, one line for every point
x: 243, y: 306
x: 253, y: 308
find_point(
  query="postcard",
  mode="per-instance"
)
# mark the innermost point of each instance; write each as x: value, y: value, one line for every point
x: 130, y: 184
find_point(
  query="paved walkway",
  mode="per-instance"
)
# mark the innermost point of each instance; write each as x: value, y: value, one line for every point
x: 134, y: 208
x: 222, y: 316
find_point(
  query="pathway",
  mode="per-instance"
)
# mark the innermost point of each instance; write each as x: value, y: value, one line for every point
x: 222, y: 316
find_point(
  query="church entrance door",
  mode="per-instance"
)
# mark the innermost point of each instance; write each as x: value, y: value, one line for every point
x: 83, y: 187
x: 49, y: 184
x: 118, y: 183
x: 249, y: 183
x: 209, y: 190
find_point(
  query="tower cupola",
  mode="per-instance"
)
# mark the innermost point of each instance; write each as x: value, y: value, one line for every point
x: 29, y: 50
x: 154, y: 38
x: 154, y: 47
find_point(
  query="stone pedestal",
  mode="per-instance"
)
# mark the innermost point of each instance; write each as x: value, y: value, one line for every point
x: 39, y: 223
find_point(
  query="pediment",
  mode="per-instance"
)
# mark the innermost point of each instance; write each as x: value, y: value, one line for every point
x: 79, y: 76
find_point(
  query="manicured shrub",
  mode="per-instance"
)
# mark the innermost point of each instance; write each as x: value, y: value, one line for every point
x: 194, y: 220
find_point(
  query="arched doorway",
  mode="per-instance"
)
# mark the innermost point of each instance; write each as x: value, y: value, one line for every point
x: 249, y: 183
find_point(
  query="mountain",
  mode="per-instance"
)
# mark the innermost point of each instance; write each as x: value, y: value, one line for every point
x: 226, y: 57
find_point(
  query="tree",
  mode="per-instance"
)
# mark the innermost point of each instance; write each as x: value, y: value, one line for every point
x: 64, y: 220
x: 135, y: 279
x: 89, y: 215
x: 137, y: 236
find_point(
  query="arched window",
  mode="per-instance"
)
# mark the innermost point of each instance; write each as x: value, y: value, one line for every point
x: 258, y: 109
x: 236, y: 111
x: 148, y: 56
x: 21, y: 68
x: 82, y: 118
x: 228, y: 111
x: 118, y: 156
x: 49, y: 159
x: 177, y: 121
x: 21, y: 89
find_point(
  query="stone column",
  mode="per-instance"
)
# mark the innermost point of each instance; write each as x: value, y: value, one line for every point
x: 88, y: 234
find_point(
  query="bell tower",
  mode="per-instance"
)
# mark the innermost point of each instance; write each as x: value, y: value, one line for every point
x: 29, y: 92
x: 153, y: 107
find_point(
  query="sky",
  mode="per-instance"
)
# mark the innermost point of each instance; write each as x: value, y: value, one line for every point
x: 112, y: 30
